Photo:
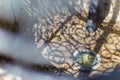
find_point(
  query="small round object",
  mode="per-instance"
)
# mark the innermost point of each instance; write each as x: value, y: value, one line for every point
x: 86, y: 59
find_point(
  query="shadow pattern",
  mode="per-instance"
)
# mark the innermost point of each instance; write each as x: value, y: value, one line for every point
x: 61, y: 32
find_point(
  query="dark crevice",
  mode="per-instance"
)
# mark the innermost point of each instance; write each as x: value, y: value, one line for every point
x: 103, y: 38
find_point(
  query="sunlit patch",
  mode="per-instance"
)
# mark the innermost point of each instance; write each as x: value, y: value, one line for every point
x: 10, y: 77
x: 2, y: 71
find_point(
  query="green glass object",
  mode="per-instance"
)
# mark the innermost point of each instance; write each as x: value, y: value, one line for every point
x: 86, y: 59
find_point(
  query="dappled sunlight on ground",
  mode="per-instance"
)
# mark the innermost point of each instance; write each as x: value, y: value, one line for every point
x: 57, y: 35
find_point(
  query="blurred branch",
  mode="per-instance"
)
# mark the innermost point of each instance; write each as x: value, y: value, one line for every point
x: 9, y: 25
